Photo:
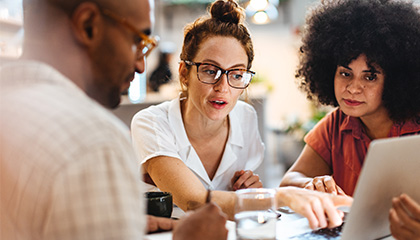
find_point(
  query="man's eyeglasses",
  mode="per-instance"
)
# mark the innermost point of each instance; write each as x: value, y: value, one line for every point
x: 211, y: 74
x: 146, y: 44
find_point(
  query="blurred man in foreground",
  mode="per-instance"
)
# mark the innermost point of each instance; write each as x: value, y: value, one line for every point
x: 67, y: 166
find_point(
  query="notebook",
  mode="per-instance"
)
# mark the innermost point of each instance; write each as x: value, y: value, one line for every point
x: 391, y: 167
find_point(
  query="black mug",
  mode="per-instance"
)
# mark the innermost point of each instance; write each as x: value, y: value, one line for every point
x: 159, y: 204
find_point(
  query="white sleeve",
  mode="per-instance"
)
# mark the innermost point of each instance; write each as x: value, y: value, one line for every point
x: 152, y: 135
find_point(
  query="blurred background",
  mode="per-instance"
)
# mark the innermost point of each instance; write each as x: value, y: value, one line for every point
x: 275, y: 25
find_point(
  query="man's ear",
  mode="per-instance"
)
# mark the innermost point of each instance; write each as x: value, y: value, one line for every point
x: 86, y: 22
x: 183, y: 73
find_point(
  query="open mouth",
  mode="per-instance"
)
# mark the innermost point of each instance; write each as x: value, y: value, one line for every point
x: 219, y: 102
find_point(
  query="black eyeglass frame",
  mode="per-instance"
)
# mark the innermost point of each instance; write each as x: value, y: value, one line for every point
x: 198, y: 64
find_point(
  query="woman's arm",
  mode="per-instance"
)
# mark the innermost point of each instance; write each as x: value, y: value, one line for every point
x: 172, y: 175
x: 310, y: 171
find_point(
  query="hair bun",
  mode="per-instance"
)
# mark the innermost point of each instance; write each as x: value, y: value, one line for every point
x: 227, y: 11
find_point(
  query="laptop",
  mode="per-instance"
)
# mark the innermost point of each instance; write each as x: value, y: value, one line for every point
x: 391, y: 167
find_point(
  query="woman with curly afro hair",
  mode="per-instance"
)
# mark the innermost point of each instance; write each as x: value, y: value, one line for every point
x: 364, y: 58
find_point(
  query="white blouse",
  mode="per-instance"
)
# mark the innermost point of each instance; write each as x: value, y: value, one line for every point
x: 159, y: 131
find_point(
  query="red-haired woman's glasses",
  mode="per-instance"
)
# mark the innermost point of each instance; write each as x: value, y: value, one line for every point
x: 211, y: 74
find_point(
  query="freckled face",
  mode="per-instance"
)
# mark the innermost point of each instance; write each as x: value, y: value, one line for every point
x: 214, y: 102
x: 358, y: 89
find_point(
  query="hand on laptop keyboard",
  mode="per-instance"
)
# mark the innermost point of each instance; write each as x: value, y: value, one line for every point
x: 319, y: 208
x: 324, y: 233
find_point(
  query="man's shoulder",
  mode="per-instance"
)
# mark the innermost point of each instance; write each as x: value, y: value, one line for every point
x: 63, y: 117
x: 90, y: 118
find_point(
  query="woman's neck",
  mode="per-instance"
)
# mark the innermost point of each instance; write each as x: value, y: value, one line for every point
x: 377, y: 127
x: 199, y: 127
x: 207, y: 137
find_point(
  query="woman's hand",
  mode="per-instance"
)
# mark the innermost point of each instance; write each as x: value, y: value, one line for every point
x: 319, y: 208
x: 324, y: 184
x: 245, y: 179
x: 404, y: 218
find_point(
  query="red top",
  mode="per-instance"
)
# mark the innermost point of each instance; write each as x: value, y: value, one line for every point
x: 342, y: 142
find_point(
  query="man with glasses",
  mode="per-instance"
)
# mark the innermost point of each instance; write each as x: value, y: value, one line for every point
x: 67, y: 169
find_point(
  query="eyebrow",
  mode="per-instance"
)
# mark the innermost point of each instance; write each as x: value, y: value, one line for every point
x: 217, y: 64
x: 372, y: 70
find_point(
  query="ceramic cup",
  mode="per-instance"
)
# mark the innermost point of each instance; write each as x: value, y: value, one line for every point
x: 159, y: 204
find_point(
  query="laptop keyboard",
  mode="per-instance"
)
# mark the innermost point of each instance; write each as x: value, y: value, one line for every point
x: 325, y: 233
